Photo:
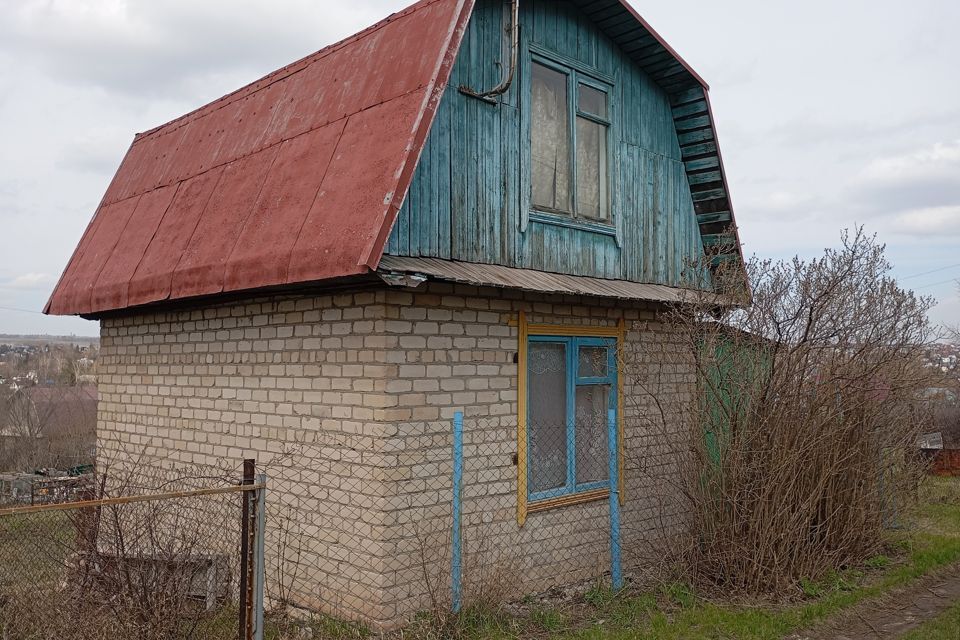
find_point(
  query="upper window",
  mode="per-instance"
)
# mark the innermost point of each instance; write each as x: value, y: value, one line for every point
x: 570, y: 124
x: 571, y: 387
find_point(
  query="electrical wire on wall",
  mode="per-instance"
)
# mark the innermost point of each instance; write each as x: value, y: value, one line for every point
x: 504, y: 86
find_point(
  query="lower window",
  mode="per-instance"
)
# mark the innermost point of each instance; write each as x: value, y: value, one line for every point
x: 571, y: 387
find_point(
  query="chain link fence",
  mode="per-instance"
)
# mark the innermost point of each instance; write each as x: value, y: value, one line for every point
x: 177, y: 561
x: 362, y: 530
x: 443, y: 516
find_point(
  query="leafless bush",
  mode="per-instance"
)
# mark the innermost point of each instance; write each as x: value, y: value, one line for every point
x: 145, y: 570
x: 804, y: 419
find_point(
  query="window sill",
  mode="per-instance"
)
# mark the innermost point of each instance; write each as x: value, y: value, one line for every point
x: 568, y: 500
x: 573, y: 223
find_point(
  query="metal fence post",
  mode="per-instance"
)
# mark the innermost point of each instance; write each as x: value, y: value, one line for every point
x: 259, y: 561
x: 616, y: 571
x: 456, y: 565
x: 246, y: 558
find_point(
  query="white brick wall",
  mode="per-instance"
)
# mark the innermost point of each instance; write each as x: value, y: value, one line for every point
x: 370, y: 381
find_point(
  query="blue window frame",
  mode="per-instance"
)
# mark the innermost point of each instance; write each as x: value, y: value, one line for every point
x: 571, y: 385
x: 571, y: 163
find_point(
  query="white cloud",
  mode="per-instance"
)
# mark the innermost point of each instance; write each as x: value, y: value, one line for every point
x: 913, y: 189
x: 31, y: 281
x: 935, y: 221
x: 161, y: 48
x: 940, y: 162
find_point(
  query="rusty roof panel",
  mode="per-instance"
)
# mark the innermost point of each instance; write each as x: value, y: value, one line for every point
x: 201, y: 268
x: 103, y: 236
x: 151, y: 281
x: 335, y: 235
x: 111, y: 288
x: 281, y: 210
x: 295, y: 177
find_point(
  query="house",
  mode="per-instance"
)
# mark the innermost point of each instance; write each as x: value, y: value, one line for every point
x: 452, y: 211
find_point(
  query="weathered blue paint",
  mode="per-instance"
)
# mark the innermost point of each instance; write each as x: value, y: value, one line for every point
x: 260, y: 568
x: 574, y: 379
x: 616, y: 567
x: 456, y: 565
x: 470, y: 198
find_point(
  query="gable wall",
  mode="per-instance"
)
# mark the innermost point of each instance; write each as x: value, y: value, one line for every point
x: 297, y: 382
x: 470, y: 195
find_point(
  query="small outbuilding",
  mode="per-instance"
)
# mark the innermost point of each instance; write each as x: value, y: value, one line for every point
x: 474, y: 209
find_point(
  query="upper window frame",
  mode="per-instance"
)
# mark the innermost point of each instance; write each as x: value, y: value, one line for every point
x: 577, y: 74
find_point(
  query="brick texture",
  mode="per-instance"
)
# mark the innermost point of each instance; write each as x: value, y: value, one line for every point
x: 350, y: 397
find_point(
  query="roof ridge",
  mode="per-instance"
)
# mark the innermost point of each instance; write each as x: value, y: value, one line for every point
x: 278, y: 74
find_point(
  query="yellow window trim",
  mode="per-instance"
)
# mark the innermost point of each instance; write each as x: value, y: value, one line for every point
x: 522, y: 421
x: 573, y: 330
x: 565, y: 501
x: 524, y: 331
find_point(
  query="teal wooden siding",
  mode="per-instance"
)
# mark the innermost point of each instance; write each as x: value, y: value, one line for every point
x: 470, y: 197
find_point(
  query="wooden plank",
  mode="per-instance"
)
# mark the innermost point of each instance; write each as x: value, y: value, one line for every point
x: 704, y: 178
x: 719, y: 240
x: 699, y: 150
x: 717, y: 260
x: 689, y: 124
x: 657, y: 56
x: 444, y: 176
x: 710, y: 194
x: 694, y: 137
x: 691, y: 109
x: 713, y: 218
x: 702, y: 163
x: 689, y: 95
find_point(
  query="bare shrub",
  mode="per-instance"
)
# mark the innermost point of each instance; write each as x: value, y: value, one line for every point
x: 141, y: 569
x: 803, y: 423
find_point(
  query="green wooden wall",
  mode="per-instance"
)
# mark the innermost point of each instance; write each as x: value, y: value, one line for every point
x: 470, y: 195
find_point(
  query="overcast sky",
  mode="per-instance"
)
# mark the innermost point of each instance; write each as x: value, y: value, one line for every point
x: 830, y: 114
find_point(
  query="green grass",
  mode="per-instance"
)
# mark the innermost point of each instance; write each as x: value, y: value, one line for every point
x: 945, y: 627
x: 33, y: 547
x: 676, y: 613
x: 318, y: 626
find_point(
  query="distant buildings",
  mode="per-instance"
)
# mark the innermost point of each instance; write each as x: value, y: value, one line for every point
x: 945, y: 357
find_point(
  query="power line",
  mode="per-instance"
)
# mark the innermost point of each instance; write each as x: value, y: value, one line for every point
x: 934, y: 284
x: 925, y: 273
x: 40, y: 313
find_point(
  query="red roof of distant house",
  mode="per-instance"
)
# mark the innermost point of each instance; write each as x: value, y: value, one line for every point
x: 294, y: 178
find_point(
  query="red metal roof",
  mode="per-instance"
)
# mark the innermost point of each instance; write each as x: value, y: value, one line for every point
x: 294, y: 178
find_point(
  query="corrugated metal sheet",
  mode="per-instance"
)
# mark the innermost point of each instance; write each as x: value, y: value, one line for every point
x: 294, y: 178
x: 508, y: 277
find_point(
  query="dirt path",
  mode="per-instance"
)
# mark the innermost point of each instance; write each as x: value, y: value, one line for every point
x: 893, y: 614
